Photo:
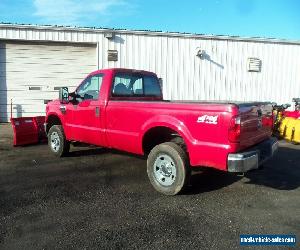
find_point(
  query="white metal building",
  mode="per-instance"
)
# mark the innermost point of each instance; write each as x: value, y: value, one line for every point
x: 36, y: 60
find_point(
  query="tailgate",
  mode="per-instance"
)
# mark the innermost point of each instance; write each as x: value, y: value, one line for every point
x: 256, y: 123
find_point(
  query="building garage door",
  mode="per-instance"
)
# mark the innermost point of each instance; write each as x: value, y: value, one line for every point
x: 33, y: 72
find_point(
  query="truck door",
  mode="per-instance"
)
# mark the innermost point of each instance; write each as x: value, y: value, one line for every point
x: 86, y: 123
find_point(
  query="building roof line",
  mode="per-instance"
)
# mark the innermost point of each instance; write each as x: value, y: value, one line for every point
x: 150, y: 33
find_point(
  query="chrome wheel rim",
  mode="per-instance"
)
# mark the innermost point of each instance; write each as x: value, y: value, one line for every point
x: 164, y: 170
x: 55, y: 141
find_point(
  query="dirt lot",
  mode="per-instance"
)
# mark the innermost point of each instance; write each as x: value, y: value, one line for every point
x: 98, y: 198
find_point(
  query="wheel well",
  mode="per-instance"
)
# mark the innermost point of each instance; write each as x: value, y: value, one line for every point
x: 52, y: 120
x: 160, y: 135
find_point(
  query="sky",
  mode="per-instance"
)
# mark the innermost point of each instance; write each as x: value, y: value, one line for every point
x: 246, y: 18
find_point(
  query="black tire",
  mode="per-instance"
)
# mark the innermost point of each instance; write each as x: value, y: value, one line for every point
x: 162, y: 178
x: 62, y: 147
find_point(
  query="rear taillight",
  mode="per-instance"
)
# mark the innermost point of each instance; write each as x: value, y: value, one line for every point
x: 234, y: 132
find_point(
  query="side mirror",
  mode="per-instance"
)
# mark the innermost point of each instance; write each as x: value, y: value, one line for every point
x: 64, y: 95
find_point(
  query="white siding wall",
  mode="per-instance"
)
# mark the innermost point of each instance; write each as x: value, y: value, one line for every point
x: 222, y: 75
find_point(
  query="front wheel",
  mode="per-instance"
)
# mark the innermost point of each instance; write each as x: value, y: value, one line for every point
x: 168, y: 168
x: 57, y: 141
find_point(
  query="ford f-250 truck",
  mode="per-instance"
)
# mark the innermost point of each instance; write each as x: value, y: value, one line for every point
x: 124, y: 109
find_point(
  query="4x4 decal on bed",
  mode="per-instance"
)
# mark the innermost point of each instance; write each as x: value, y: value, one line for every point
x: 209, y: 119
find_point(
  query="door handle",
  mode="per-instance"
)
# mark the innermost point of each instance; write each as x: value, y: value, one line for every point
x: 63, y: 109
x: 97, y: 111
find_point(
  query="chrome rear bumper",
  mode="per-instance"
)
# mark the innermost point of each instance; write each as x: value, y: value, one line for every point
x: 252, y: 158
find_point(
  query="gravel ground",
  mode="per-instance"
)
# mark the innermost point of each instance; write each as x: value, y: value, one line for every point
x: 99, y: 198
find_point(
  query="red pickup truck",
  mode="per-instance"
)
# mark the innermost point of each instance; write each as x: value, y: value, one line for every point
x: 124, y: 109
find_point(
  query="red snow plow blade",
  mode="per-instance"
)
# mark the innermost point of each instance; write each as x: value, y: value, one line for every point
x: 28, y: 130
x: 293, y: 114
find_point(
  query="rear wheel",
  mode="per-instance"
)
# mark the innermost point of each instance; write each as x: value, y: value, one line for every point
x: 57, y: 141
x: 167, y: 168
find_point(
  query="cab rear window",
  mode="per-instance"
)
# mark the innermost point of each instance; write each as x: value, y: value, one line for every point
x: 135, y: 85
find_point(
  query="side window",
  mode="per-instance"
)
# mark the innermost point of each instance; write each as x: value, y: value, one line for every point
x: 135, y: 85
x: 151, y: 86
x: 89, y: 89
x: 121, y: 85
